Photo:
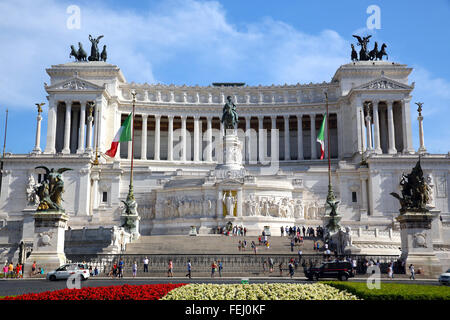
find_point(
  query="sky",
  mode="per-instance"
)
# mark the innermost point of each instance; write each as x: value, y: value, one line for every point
x: 199, y: 42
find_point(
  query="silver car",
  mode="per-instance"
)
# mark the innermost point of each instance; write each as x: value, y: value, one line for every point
x: 67, y: 270
x: 445, y: 277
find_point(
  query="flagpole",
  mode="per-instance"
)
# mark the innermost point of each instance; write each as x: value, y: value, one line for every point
x: 133, y: 93
x: 328, y: 138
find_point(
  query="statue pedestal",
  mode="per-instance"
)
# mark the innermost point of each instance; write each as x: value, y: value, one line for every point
x: 417, y: 244
x: 231, y: 166
x: 48, y: 242
x: 134, y: 231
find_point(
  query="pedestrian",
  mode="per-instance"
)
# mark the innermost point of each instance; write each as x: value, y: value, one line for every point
x: 240, y: 245
x: 95, y: 271
x: 411, y: 269
x: 5, y: 270
x: 33, y: 269
x: 292, y: 245
x: 280, y: 266
x: 213, y: 269
x: 120, y: 267
x: 134, y: 269
x: 145, y: 264
x: 114, y: 270
x: 11, y: 270
x: 390, y: 272
x: 282, y: 231
x: 264, y: 266
x: 170, y: 269
x: 291, y: 269
x: 220, y: 268
x: 189, y: 266
x: 300, y: 255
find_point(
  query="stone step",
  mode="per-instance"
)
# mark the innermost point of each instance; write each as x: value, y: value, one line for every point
x: 213, y: 244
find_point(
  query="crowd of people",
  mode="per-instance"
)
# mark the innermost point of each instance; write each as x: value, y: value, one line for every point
x: 16, y: 271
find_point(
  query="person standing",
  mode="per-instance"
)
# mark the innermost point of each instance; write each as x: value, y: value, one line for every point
x: 213, y: 269
x: 282, y: 231
x: 170, y: 269
x: 120, y: 266
x: 189, y: 267
x: 270, y: 265
x: 280, y: 266
x: 390, y: 271
x: 145, y: 264
x: 291, y: 269
x: 413, y: 273
x: 5, y: 270
x: 300, y: 256
x: 11, y: 270
x: 33, y: 269
x: 292, y: 245
x: 220, y: 268
x: 134, y: 269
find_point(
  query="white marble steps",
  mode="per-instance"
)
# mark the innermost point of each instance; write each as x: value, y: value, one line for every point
x: 213, y: 244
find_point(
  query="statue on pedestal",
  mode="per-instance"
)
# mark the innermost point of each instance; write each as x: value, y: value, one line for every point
x: 415, y: 191
x: 51, y: 189
x: 229, y: 202
x: 229, y: 115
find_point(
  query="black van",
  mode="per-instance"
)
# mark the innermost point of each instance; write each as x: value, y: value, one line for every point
x: 341, y: 270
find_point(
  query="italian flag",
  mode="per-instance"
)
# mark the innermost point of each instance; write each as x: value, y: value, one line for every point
x: 320, y: 138
x: 124, y: 134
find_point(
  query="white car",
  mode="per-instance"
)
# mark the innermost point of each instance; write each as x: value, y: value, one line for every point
x: 445, y: 277
x: 67, y: 270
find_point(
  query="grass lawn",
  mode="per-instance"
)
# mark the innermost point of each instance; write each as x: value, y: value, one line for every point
x: 394, y: 291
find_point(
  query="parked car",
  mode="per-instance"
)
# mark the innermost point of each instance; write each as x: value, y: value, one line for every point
x: 66, y: 270
x: 341, y: 270
x: 445, y: 277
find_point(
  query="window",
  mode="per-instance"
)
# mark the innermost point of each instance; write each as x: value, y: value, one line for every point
x: 105, y: 196
x: 354, y: 199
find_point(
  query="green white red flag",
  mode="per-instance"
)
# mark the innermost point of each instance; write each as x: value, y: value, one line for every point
x: 124, y: 134
x: 320, y: 138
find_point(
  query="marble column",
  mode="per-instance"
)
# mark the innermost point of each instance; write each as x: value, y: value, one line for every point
x: 422, y: 148
x: 391, y: 128
x: 299, y: 137
x: 170, y: 139
x: 406, y: 120
x: 89, y: 129
x: 209, y: 139
x: 364, y: 209
x: 261, y: 148
x: 81, y: 138
x: 273, y: 136
x: 157, y: 136
x: 37, y: 146
x: 376, y: 128
x: 144, y: 137
x: 313, y: 137
x: 368, y: 119
x: 196, y: 139
x: 239, y: 203
x: 183, y: 137
x: 248, y: 148
x: 66, y: 149
x: 51, y: 126
x: 361, y: 125
x: 287, y: 146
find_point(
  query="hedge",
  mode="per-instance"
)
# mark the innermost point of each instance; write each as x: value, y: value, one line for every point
x: 394, y: 291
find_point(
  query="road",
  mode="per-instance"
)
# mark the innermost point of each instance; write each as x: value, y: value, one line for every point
x: 22, y: 286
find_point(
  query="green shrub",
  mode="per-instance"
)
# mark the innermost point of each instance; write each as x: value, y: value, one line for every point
x: 394, y: 291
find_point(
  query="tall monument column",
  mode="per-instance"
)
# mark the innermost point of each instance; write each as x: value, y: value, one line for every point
x: 287, y: 147
x: 51, y: 126
x: 196, y: 139
x: 261, y: 148
x: 82, y: 127
x: 422, y: 148
x: 183, y: 136
x: 157, y: 136
x: 144, y: 137
x: 209, y: 139
x: 37, y: 148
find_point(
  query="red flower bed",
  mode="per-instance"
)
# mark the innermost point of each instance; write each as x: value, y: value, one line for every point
x: 125, y: 292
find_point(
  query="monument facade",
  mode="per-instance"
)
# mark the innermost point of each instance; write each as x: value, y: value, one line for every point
x: 189, y: 172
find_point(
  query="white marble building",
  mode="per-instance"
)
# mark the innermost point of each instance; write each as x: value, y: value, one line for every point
x: 177, y: 130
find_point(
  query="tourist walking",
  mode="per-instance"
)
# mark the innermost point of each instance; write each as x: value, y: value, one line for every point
x: 280, y: 266
x: 413, y: 273
x: 170, y: 269
x: 134, y: 269
x: 292, y: 245
x: 145, y: 264
x: 270, y: 265
x: 33, y: 269
x: 5, y: 270
x: 390, y: 271
x: 11, y: 270
x: 189, y: 267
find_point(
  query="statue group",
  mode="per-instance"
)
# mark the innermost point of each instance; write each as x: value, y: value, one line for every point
x: 415, y: 190
x: 229, y: 115
x: 50, y: 190
x: 364, y: 54
x: 81, y: 55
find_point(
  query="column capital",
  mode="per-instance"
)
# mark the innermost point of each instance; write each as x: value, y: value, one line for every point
x: 196, y: 117
x: 299, y: 116
x: 170, y: 116
x: 389, y: 102
x: 157, y: 116
x: 312, y: 115
x: 68, y: 103
x: 183, y: 117
x: 286, y: 116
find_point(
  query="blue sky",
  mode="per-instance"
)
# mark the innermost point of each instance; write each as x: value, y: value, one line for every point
x: 200, y: 42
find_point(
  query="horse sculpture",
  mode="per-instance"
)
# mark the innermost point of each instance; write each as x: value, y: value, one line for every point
x: 229, y: 115
x: 382, y: 53
x: 373, y: 53
x: 354, y: 53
